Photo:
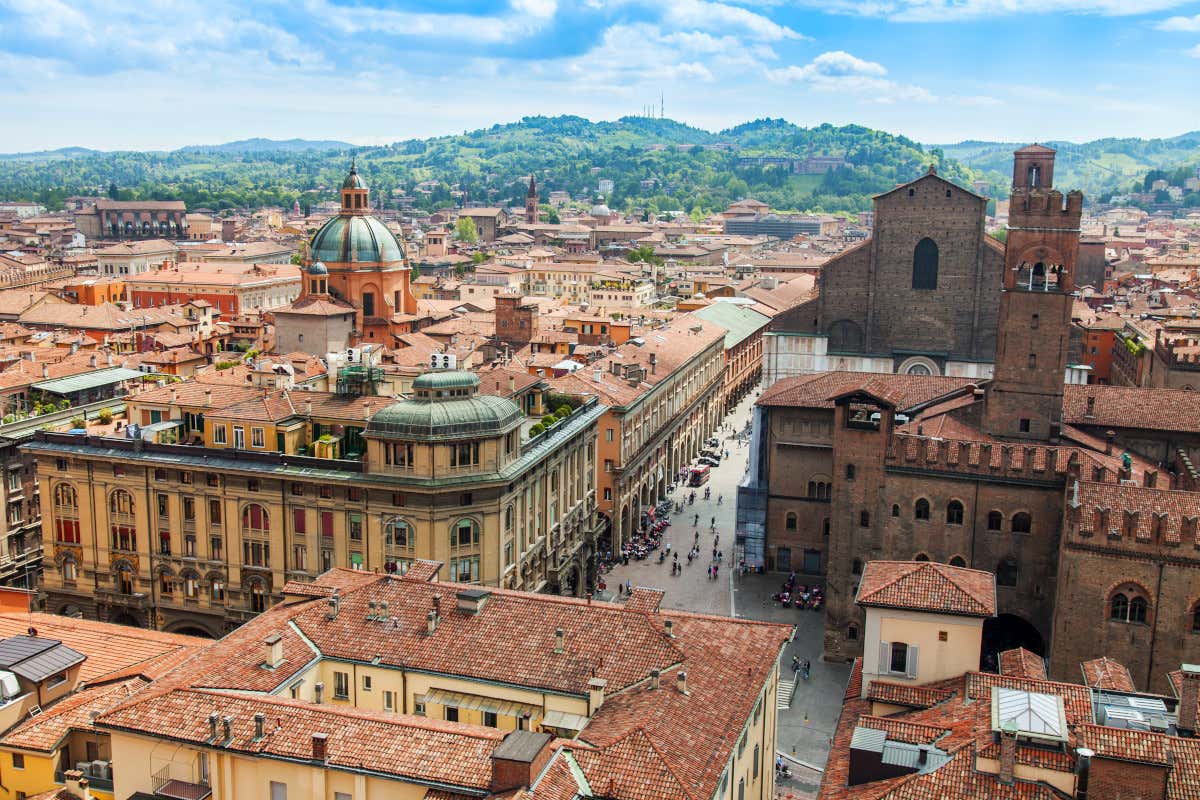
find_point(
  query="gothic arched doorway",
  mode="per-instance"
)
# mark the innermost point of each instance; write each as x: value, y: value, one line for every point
x: 1005, y: 632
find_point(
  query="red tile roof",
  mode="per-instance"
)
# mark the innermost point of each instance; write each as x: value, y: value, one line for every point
x: 73, y: 713
x: 1104, y: 673
x: 928, y: 586
x: 1021, y: 663
x: 902, y: 694
x: 817, y: 390
x: 1129, y: 407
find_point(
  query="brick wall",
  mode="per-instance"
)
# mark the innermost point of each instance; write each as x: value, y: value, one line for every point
x: 1125, y: 780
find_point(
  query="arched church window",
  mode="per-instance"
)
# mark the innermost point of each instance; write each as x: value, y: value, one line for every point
x: 925, y: 265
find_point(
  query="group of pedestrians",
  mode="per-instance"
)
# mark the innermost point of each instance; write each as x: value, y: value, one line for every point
x: 803, y: 667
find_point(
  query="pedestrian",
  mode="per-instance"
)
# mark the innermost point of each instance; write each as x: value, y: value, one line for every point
x: 795, y: 663
x: 714, y: 554
x: 727, y: 452
x: 713, y: 524
x: 628, y: 587
x: 806, y: 668
x: 720, y: 497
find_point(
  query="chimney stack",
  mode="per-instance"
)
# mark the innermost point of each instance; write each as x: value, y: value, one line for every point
x: 431, y: 620
x: 596, y: 693
x: 227, y: 728
x: 45, y: 371
x: 213, y: 719
x: 318, y: 691
x: 207, y: 398
x: 653, y: 363
x: 681, y: 682
x: 1008, y: 752
x: 670, y: 626
x: 92, y: 361
x: 320, y: 747
x: 558, y: 640
x: 334, y: 607
x: 260, y: 723
x: 1108, y: 441
x: 273, y: 651
x: 76, y: 783
x: 437, y: 606
x: 1189, y: 696
x: 655, y: 678
x: 1083, y: 766
x: 512, y: 384
x: 383, y: 610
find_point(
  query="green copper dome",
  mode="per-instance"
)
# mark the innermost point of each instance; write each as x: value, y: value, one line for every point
x: 446, y: 406
x: 353, y: 181
x: 356, y: 238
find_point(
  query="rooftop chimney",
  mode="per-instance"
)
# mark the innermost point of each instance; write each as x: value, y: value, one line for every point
x: 273, y: 651
x: 334, y: 607
x: 670, y: 626
x: 596, y: 693
x: 213, y: 719
x: 318, y: 691
x: 431, y: 620
x: 383, y: 610
x: 227, y: 729
x: 1083, y: 767
x: 1189, y: 696
x: 45, y: 371
x: 1108, y: 441
x: 1008, y: 752
x: 207, y: 397
x: 655, y: 678
x: 512, y: 384
x: 320, y: 747
x: 92, y: 361
x: 370, y: 610
x: 558, y: 640
x: 597, y: 375
x: 260, y: 723
x: 437, y: 605
x: 681, y: 682
x: 76, y: 784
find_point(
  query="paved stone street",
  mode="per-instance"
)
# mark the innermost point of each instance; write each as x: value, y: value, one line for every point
x: 805, y: 728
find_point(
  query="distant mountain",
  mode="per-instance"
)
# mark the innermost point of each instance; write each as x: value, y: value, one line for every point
x: 656, y: 166
x: 49, y: 155
x: 1096, y: 166
x: 259, y: 145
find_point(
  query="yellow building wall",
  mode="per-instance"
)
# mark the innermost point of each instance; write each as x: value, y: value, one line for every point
x: 37, y: 776
x: 936, y: 659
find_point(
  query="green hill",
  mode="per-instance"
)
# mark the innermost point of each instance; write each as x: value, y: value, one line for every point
x: 655, y: 164
x: 1096, y: 167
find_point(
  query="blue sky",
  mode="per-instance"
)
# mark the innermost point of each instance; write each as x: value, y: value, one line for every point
x: 157, y: 74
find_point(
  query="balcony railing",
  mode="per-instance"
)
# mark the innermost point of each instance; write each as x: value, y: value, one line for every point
x: 103, y: 784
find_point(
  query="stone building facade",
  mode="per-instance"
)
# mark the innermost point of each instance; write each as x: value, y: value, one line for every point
x: 201, y: 538
x: 920, y: 296
x: 1081, y: 500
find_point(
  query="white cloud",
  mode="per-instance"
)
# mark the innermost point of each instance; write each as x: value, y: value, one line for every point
x: 1185, y: 24
x: 525, y: 18
x: 710, y: 16
x: 1194, y: 52
x: 839, y: 71
x: 956, y: 10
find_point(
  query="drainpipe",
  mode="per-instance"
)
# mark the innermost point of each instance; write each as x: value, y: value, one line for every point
x: 1154, y: 627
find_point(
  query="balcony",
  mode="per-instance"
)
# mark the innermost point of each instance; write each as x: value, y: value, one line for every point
x: 138, y: 600
x: 94, y: 781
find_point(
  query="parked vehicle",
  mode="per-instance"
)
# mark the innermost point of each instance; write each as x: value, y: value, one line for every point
x: 700, y: 475
x: 709, y: 462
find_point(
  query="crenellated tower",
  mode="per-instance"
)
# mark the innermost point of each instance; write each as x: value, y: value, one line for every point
x: 1024, y: 399
x: 531, y: 202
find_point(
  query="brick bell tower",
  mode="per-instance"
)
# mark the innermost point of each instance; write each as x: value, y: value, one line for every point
x: 531, y: 202
x: 1024, y: 399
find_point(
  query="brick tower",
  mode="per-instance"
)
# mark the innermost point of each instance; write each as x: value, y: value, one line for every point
x: 531, y: 202
x: 1024, y: 400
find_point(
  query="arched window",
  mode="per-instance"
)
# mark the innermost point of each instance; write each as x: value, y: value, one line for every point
x: 895, y: 510
x: 920, y: 557
x: 465, y: 533
x: 995, y: 521
x: 255, y: 520
x: 1006, y: 572
x: 925, y: 265
x: 850, y: 472
x: 852, y: 632
x: 1118, y: 607
x: 864, y: 519
x: 954, y: 513
x: 789, y: 522
x: 812, y: 489
x: 856, y: 567
x: 958, y: 561
x: 398, y: 534
x: 66, y: 514
x: 122, y: 522
x: 1021, y: 522
x: 1137, y: 609
x: 508, y: 517
x: 258, y: 596
x: 921, y: 509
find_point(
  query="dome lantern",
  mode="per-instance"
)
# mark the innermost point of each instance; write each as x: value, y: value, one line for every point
x: 355, y: 194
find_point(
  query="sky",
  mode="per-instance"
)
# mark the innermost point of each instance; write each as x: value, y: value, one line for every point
x: 160, y: 74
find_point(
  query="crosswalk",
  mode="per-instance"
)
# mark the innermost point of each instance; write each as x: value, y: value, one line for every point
x: 783, y: 696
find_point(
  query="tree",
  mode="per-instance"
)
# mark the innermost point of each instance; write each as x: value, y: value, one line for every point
x: 414, y: 273
x: 113, y: 191
x: 644, y: 254
x: 479, y: 258
x: 465, y: 230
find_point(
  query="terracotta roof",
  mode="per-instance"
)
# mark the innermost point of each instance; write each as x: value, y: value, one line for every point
x: 903, y: 694
x: 817, y: 390
x: 1160, y: 513
x: 1128, y: 407
x: 392, y: 744
x: 1021, y: 663
x: 317, y: 305
x: 1104, y: 673
x: 73, y: 713
x: 928, y: 586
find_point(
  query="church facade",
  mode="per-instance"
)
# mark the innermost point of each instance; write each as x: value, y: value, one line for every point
x: 920, y: 296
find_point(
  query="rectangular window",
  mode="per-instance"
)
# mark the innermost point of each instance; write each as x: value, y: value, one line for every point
x: 299, y: 557
x: 1024, y: 425
x: 608, y: 434
x: 14, y: 480
x: 366, y: 683
x: 297, y: 489
x: 214, y: 512
x: 451, y: 713
x: 354, y: 524
x: 239, y: 437
x: 341, y: 685
x: 257, y: 438
x: 213, y: 479
x: 354, y: 494
x: 489, y: 719
x: 189, y: 509
x: 252, y: 485
x: 185, y: 478
x: 389, y: 701
x: 326, y: 492
x: 278, y: 790
x: 220, y: 434
x: 216, y: 547
x: 368, y: 304
x: 418, y: 707
x: 299, y: 520
x: 18, y: 760
x: 327, y: 524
